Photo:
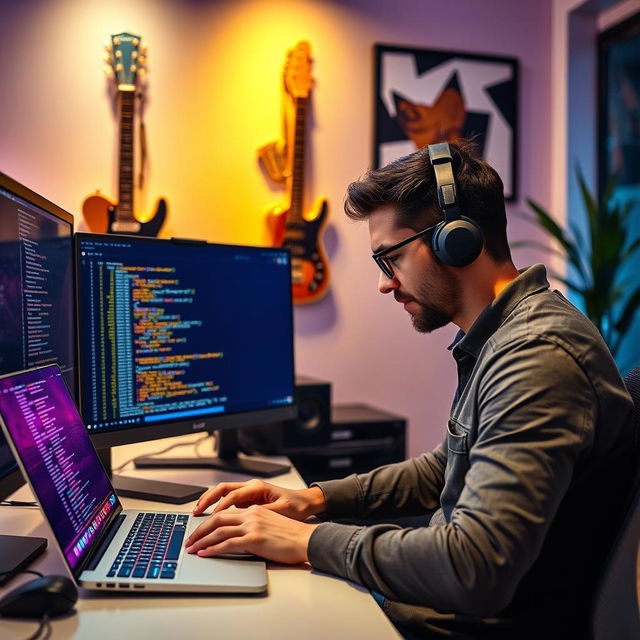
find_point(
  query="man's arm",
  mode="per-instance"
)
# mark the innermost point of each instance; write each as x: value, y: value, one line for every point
x: 536, y: 410
x: 405, y: 488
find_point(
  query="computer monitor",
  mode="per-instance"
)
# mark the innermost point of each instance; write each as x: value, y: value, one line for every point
x: 37, y: 318
x: 180, y: 336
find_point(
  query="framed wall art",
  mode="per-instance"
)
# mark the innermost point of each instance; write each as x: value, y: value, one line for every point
x: 424, y: 96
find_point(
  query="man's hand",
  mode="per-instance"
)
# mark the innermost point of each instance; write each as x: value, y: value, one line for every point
x: 298, y: 504
x: 257, y: 530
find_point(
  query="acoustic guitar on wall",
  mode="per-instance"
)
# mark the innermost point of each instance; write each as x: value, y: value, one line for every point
x: 291, y: 228
x: 126, y: 58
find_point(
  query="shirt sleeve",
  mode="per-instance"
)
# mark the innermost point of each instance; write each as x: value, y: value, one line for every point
x: 536, y: 412
x: 406, y: 488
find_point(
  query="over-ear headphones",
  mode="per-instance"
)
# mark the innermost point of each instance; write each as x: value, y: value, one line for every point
x: 457, y: 240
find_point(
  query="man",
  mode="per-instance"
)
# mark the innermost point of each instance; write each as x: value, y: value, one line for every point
x: 528, y: 486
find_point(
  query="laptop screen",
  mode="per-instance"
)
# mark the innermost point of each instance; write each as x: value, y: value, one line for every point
x: 51, y: 442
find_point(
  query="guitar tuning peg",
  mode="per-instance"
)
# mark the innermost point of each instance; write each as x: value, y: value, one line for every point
x: 107, y: 43
x: 142, y: 71
x: 144, y: 49
x: 108, y: 57
x: 142, y: 59
x: 108, y: 71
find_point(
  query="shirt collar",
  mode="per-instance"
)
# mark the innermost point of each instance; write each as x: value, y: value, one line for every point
x: 531, y: 280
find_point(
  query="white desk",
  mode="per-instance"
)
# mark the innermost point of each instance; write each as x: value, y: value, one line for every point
x: 300, y: 603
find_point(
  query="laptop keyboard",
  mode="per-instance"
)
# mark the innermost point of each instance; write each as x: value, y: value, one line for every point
x: 152, y: 547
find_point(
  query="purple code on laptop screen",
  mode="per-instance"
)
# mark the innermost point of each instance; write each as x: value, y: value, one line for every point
x: 63, y: 467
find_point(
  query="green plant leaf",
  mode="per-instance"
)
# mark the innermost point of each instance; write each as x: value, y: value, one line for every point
x: 534, y: 244
x: 630, y: 250
x: 554, y: 230
x: 630, y: 307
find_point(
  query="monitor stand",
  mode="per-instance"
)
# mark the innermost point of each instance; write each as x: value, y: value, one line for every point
x: 17, y: 553
x: 153, y: 490
x: 226, y: 460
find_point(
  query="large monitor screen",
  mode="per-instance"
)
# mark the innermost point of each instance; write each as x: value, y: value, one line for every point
x: 36, y: 289
x: 180, y: 333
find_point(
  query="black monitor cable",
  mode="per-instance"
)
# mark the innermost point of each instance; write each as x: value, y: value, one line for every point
x: 44, y: 625
x: 195, y: 443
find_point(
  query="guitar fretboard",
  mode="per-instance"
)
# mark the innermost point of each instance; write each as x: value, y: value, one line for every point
x: 124, y: 210
x: 297, y: 170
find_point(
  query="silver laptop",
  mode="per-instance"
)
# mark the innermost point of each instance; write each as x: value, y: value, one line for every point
x: 104, y: 546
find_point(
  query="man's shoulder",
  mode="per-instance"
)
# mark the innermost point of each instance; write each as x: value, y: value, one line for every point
x: 549, y: 318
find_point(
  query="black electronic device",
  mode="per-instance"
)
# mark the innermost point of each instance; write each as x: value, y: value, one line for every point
x: 49, y: 595
x: 18, y: 552
x: 360, y: 438
x: 37, y: 319
x: 310, y: 428
x: 457, y: 240
x: 178, y: 337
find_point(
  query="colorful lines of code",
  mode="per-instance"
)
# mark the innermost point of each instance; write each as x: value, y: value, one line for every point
x: 145, y: 332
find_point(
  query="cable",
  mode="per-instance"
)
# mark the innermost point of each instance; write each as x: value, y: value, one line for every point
x: 170, y: 448
x: 45, y: 625
x: 18, y: 503
x: 17, y: 573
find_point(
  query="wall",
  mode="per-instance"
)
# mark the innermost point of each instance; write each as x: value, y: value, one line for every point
x: 214, y: 97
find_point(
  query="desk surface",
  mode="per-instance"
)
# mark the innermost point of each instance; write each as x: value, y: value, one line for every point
x: 300, y: 603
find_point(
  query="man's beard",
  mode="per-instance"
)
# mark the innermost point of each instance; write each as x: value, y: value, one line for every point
x: 429, y: 319
x: 443, y: 297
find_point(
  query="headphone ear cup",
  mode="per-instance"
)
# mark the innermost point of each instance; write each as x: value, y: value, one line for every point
x: 457, y: 243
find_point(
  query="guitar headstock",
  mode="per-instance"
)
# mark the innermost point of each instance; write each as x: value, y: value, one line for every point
x: 126, y: 59
x: 297, y: 70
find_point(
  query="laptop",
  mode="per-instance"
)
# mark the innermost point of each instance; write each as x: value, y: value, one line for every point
x: 103, y: 545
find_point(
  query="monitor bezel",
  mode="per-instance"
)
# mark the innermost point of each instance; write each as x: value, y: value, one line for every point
x: 14, y: 479
x: 133, y: 435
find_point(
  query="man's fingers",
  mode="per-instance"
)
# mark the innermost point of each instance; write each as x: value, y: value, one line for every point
x: 244, y: 495
x: 219, y: 520
x: 216, y: 537
x: 214, y: 494
x: 227, y: 546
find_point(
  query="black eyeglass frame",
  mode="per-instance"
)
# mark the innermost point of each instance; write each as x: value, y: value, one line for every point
x: 379, y: 256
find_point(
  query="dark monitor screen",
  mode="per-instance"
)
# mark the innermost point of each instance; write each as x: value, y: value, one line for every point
x: 36, y: 294
x: 177, y: 336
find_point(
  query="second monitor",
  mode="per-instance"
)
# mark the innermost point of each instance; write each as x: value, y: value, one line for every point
x: 179, y: 336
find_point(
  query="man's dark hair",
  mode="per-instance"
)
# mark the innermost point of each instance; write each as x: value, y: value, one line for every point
x: 409, y: 184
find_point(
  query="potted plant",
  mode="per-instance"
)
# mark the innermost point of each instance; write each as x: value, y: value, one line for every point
x: 596, y: 255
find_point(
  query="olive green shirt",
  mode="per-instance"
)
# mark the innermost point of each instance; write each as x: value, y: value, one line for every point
x: 527, y: 485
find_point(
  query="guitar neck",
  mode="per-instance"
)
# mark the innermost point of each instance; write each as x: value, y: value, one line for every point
x: 124, y: 210
x: 296, y: 186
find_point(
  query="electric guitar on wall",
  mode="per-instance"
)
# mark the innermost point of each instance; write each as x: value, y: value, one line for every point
x: 126, y: 58
x: 285, y: 163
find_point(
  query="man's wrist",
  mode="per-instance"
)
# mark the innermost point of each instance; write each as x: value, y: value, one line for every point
x: 317, y: 502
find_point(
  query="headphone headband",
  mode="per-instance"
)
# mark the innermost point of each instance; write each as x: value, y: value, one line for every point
x: 442, y: 162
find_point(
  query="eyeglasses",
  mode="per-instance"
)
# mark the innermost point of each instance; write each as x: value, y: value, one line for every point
x: 380, y: 256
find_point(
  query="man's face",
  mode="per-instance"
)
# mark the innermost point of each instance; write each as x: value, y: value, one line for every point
x: 427, y: 290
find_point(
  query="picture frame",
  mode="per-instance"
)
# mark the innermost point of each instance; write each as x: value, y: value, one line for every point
x: 424, y: 96
x: 619, y: 106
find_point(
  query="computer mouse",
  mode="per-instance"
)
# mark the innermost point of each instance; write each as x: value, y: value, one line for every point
x: 51, y: 594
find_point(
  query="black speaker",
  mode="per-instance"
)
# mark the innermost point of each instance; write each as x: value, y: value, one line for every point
x: 310, y: 429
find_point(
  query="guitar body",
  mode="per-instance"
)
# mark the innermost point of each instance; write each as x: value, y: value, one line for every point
x: 309, y: 264
x: 100, y: 215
